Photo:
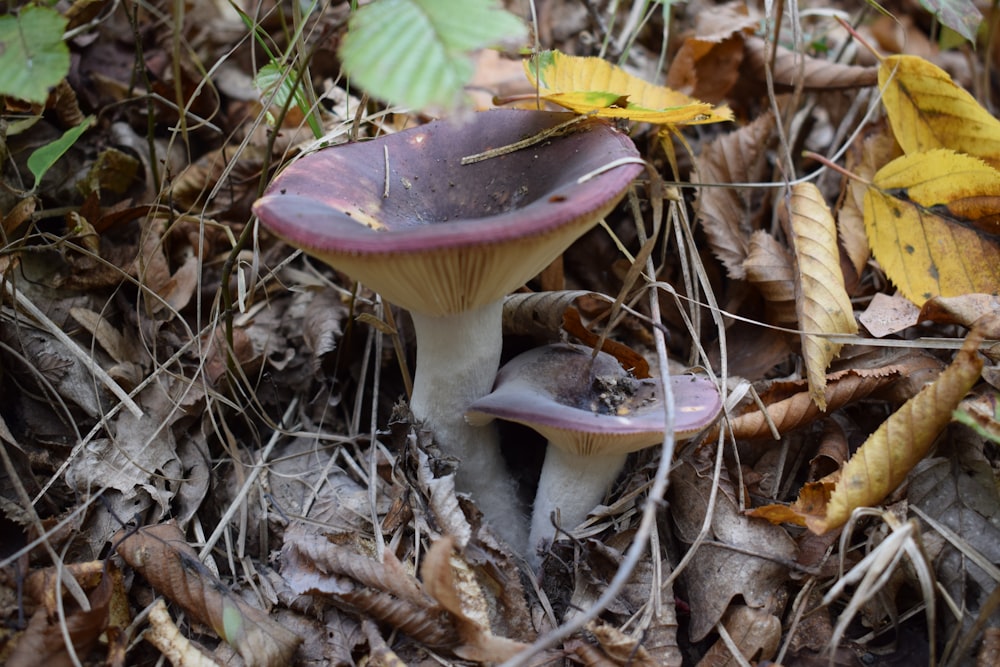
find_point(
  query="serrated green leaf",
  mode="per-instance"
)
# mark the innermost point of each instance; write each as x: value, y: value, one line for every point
x: 962, y: 16
x: 415, y: 53
x: 33, y: 56
x: 42, y: 159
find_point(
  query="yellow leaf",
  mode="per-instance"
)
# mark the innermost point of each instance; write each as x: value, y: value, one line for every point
x: 888, y: 455
x: 593, y: 85
x: 928, y: 110
x: 821, y: 301
x: 929, y: 218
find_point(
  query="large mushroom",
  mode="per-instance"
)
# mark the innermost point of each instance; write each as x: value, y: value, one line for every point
x: 594, y: 414
x: 448, y: 241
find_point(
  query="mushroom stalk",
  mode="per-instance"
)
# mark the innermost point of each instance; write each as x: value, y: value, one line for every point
x: 573, y: 485
x: 457, y: 360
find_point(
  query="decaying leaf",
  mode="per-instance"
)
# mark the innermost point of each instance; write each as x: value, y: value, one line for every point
x: 163, y: 557
x: 595, y: 86
x: 770, y: 266
x: 717, y: 574
x: 821, y: 301
x: 932, y: 219
x: 755, y: 632
x: 450, y: 581
x: 927, y: 110
x: 888, y: 455
x: 789, y: 67
x: 973, y: 311
x: 725, y: 212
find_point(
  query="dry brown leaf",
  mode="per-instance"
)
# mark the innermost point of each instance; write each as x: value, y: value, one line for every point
x: 737, y: 157
x: 821, y: 301
x: 314, y: 565
x: 887, y: 315
x: 163, y: 557
x: 620, y: 647
x: 43, y: 641
x: 756, y: 632
x: 790, y: 67
x: 973, y: 311
x: 706, y: 68
x: 865, y: 158
x: 790, y: 406
x: 718, y: 574
x: 771, y: 268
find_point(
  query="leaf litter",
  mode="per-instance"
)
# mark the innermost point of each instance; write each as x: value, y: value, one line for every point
x: 205, y: 436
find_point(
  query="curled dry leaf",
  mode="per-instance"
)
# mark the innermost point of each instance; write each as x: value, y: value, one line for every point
x: 620, y: 647
x: 770, y: 267
x: 815, y: 73
x: 450, y: 581
x: 888, y: 455
x: 736, y: 157
x: 755, y: 632
x: 973, y: 311
x: 927, y: 110
x: 790, y: 405
x: 932, y: 221
x: 163, y: 557
x: 821, y: 301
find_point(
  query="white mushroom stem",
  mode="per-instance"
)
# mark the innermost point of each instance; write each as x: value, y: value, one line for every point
x: 457, y: 360
x: 572, y: 484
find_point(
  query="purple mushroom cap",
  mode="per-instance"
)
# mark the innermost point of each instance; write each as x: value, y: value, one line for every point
x: 402, y: 214
x: 592, y: 406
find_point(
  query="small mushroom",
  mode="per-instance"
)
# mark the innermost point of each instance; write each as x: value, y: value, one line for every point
x: 448, y: 241
x: 593, y: 413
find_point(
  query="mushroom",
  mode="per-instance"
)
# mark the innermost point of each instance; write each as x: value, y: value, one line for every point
x: 593, y: 413
x: 448, y: 241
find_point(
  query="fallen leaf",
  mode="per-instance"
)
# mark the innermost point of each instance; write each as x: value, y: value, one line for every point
x: 718, y: 574
x: 928, y: 110
x: 755, y: 632
x: 887, y: 315
x: 726, y: 213
x: 790, y: 405
x: 790, y: 67
x: 821, y: 301
x: 590, y: 85
x: 888, y: 455
x: 770, y: 267
x: 978, y: 311
x: 163, y: 557
x: 925, y: 215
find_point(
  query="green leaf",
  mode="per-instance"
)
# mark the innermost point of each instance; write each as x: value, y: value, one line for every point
x: 42, y: 159
x: 962, y: 16
x: 416, y: 53
x: 33, y: 56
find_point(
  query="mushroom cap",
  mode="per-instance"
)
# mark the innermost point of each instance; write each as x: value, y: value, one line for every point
x: 592, y: 408
x: 451, y: 237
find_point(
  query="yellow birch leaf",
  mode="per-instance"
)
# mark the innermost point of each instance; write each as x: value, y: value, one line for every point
x: 821, y: 302
x: 931, y: 220
x: 928, y: 110
x: 590, y: 85
x: 887, y: 456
